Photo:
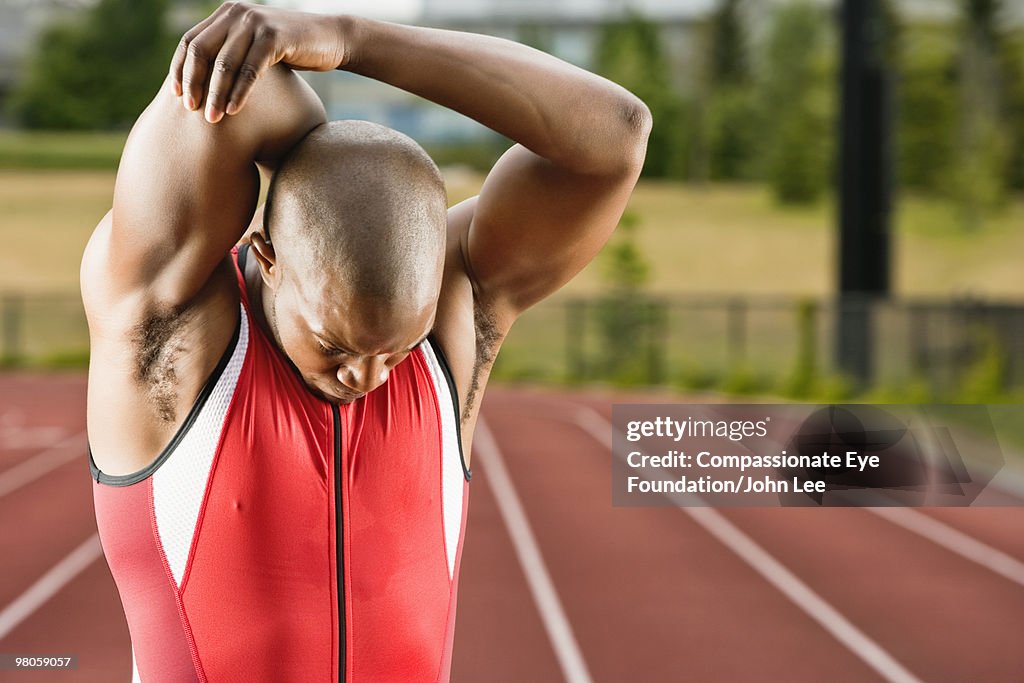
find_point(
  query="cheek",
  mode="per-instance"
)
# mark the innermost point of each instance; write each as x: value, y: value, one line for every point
x: 295, y: 341
x: 396, y: 359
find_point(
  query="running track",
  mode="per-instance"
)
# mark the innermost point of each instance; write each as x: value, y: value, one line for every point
x: 559, y: 585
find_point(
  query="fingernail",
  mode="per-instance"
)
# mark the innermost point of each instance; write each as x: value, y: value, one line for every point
x: 190, y: 103
x: 232, y: 108
x: 213, y: 114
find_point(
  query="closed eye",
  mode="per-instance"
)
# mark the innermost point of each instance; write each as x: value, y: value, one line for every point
x: 329, y: 350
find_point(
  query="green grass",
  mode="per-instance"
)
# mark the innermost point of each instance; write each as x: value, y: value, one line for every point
x: 65, y: 151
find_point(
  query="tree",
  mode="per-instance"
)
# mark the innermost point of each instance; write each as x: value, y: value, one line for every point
x: 981, y: 148
x: 1012, y: 64
x: 97, y: 72
x: 731, y: 114
x: 927, y: 109
x: 630, y: 323
x: 630, y: 52
x: 797, y: 104
x: 728, y: 45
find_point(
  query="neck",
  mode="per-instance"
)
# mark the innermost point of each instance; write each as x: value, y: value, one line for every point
x: 260, y: 299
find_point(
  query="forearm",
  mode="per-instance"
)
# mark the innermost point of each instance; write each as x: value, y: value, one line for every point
x: 573, y: 118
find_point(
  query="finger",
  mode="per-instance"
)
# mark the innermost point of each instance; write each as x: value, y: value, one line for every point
x: 226, y: 68
x: 178, y: 60
x: 260, y: 58
x: 201, y: 51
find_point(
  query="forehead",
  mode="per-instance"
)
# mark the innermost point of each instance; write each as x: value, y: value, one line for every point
x: 367, y: 325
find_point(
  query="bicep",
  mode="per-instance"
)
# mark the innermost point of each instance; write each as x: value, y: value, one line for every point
x: 183, y: 195
x: 535, y: 225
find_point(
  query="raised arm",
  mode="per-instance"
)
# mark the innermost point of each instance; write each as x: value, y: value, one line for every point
x: 185, y: 193
x: 159, y: 293
x: 551, y: 202
x: 548, y: 205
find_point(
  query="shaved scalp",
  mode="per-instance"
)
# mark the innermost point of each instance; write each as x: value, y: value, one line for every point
x: 364, y: 206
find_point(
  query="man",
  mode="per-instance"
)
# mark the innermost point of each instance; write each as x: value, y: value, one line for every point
x: 280, y: 435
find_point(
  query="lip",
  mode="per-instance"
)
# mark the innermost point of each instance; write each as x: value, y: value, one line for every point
x: 343, y: 397
x: 339, y: 394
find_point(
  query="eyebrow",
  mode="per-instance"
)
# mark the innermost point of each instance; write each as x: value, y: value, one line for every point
x: 341, y: 347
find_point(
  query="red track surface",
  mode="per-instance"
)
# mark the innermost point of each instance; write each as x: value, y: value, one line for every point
x: 648, y: 593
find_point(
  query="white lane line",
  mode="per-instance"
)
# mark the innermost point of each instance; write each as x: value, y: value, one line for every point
x: 954, y: 541
x: 49, y: 584
x: 574, y: 668
x: 799, y: 593
x: 29, y: 470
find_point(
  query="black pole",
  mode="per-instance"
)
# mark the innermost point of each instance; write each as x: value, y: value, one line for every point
x: 865, y: 183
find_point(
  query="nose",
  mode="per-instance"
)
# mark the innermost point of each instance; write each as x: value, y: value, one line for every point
x: 364, y: 375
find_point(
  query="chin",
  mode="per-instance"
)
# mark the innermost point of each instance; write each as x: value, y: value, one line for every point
x: 333, y: 398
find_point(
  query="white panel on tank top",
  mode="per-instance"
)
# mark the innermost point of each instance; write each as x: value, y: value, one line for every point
x: 180, y: 483
x: 135, y: 669
x: 452, y: 477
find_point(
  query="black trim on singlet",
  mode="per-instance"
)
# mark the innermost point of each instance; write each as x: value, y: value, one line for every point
x: 243, y: 252
x: 193, y: 413
x: 442, y: 360
x: 339, y: 541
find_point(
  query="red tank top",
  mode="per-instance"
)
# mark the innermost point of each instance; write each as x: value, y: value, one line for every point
x: 280, y: 538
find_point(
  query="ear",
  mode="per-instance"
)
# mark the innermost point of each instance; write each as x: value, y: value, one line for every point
x: 266, y: 257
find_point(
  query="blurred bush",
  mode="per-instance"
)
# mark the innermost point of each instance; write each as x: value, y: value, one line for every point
x: 979, y: 183
x: 927, y: 107
x: 631, y: 53
x: 797, y: 101
x: 1011, y: 56
x: 732, y: 139
x: 98, y: 72
x: 627, y: 320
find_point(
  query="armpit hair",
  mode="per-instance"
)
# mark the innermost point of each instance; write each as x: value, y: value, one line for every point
x: 158, y: 343
x: 488, y: 338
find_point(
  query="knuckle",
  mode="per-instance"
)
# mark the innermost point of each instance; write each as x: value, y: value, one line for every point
x: 247, y: 73
x: 223, y: 65
x: 236, y: 9
x: 183, y: 43
x: 196, y: 50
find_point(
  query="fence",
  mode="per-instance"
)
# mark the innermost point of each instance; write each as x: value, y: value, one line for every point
x: 769, y: 344
x: 740, y: 343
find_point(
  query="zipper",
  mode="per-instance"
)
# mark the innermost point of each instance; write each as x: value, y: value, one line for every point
x: 339, y: 542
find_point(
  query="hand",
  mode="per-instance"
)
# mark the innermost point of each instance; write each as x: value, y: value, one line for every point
x: 222, y: 57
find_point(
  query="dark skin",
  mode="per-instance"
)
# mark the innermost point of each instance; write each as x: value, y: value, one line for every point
x: 156, y: 277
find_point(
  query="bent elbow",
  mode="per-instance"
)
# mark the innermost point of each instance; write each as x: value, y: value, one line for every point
x: 637, y: 117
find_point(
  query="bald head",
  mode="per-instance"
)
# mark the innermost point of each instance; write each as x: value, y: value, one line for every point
x: 360, y: 208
